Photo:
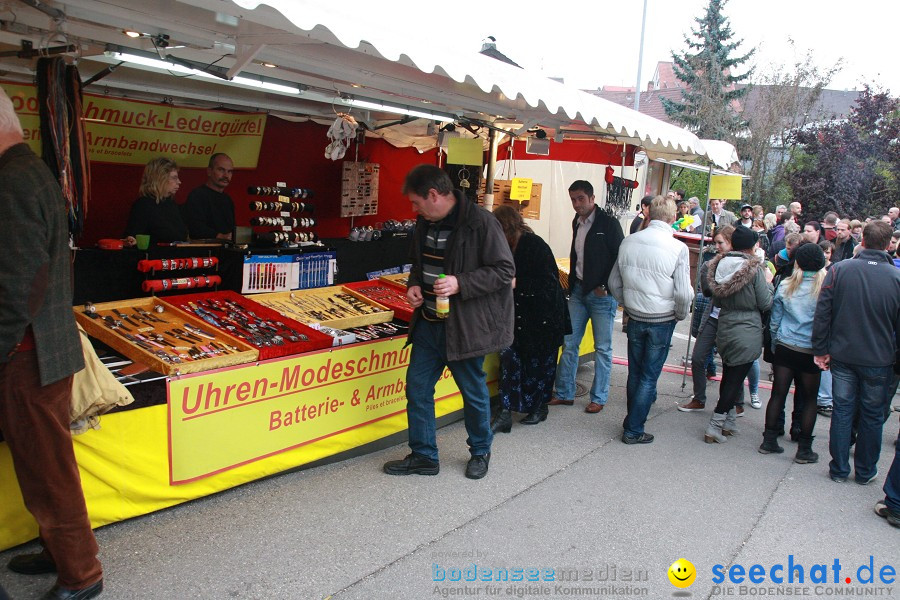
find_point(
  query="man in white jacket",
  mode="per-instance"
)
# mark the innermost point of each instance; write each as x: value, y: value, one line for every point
x: 652, y: 281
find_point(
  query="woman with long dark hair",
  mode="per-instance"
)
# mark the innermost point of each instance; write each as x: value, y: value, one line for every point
x: 791, y: 326
x: 528, y: 367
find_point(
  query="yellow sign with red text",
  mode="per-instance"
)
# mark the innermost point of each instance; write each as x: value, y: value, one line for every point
x: 134, y: 132
x: 223, y: 419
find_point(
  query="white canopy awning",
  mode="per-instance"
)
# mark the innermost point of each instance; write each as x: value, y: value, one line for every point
x: 496, y: 90
x: 330, y: 55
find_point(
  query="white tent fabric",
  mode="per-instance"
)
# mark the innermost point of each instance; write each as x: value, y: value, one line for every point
x: 493, y: 87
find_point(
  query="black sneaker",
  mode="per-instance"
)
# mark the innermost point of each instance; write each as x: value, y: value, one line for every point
x: 644, y: 438
x: 866, y: 480
x: 478, y: 466
x: 825, y: 411
x: 413, y: 464
x: 893, y: 517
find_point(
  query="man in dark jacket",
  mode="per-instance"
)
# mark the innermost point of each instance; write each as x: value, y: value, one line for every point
x: 843, y: 242
x: 459, y: 252
x: 856, y: 333
x: 596, y: 238
x: 40, y: 351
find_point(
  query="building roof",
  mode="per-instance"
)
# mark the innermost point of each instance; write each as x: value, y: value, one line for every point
x: 651, y: 104
x: 831, y: 104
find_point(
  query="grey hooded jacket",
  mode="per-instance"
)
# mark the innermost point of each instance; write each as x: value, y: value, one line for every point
x: 738, y: 286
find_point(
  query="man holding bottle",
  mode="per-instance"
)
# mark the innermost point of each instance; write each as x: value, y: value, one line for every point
x: 459, y: 252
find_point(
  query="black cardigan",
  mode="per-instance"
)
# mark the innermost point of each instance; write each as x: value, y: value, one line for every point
x: 542, y: 313
x: 601, y: 249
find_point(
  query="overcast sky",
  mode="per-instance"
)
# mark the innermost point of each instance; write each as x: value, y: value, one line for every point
x: 595, y: 42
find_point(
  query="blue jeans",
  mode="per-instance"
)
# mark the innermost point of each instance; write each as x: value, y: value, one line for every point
x: 648, y: 347
x: 426, y: 363
x: 824, y: 396
x: 892, y: 481
x: 863, y: 390
x: 753, y: 377
x: 602, y: 313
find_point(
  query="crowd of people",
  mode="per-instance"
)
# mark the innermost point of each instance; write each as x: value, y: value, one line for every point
x: 811, y: 302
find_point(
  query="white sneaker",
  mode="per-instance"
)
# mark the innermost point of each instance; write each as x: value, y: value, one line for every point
x: 754, y: 401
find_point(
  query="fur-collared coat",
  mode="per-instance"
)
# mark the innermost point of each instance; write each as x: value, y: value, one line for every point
x: 738, y: 286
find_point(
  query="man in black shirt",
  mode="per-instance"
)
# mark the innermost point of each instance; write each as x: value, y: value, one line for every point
x: 209, y: 211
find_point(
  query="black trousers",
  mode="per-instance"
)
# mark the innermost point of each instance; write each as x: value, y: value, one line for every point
x: 731, y: 389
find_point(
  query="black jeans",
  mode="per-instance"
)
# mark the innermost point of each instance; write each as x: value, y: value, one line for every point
x: 732, y: 387
x: 706, y: 341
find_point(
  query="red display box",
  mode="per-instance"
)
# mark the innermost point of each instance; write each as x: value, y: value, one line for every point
x: 213, y: 302
x: 386, y: 295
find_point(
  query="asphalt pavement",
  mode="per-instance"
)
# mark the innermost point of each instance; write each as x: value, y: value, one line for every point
x: 567, y: 510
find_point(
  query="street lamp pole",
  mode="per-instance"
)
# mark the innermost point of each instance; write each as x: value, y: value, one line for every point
x: 637, y: 87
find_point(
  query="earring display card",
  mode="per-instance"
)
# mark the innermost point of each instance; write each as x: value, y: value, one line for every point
x: 159, y: 335
x: 270, y: 273
x: 317, y: 269
x: 359, y: 189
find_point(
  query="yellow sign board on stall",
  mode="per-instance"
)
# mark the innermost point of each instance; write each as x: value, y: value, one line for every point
x: 465, y: 151
x: 134, y: 132
x: 231, y: 417
x: 520, y: 189
x: 725, y: 187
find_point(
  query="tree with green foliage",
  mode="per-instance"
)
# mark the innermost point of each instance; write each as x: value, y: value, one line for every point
x: 850, y: 166
x: 694, y: 183
x: 710, y: 100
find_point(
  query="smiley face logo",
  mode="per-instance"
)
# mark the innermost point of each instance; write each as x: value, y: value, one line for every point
x: 682, y: 573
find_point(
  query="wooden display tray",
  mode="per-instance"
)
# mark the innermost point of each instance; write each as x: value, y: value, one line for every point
x: 562, y: 264
x: 175, y: 318
x: 402, y: 308
x: 399, y: 280
x: 283, y: 302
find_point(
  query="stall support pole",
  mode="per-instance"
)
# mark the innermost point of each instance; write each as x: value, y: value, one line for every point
x: 491, y: 168
x: 687, y: 357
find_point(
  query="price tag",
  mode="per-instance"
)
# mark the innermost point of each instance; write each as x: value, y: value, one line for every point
x: 520, y: 189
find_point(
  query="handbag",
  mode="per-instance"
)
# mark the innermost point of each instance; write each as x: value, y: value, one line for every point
x: 95, y: 390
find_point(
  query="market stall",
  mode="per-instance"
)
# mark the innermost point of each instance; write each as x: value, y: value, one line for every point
x: 240, y: 416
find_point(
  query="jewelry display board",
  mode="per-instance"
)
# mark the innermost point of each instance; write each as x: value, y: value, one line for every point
x: 153, y: 332
x: 270, y: 332
x: 284, y: 219
x: 385, y: 294
x: 332, y: 307
x: 530, y: 209
x: 359, y: 189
